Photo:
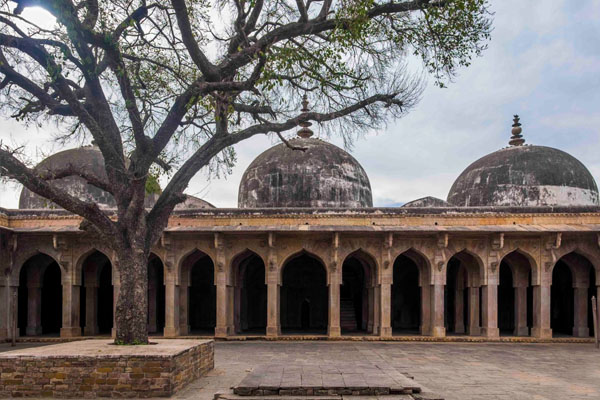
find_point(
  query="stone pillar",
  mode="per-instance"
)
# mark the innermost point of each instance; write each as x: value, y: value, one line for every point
x: 221, y: 330
x: 474, y: 326
x: 5, y: 311
x: 171, y: 307
x: 34, y: 310
x: 184, y: 327
x: 70, y: 318
x: 459, y: 320
x: 425, y: 328
x: 376, y: 310
x: 541, y: 312
x: 333, y: 328
x: 91, y: 310
x: 580, y: 312
x: 489, y: 304
x: 438, y: 328
x: 371, y: 310
x: 273, y: 318
x: 152, y: 291
x: 116, y: 290
x: 521, y: 328
x: 386, y: 309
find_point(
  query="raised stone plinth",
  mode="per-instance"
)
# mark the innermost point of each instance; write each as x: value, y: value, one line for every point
x: 342, y: 379
x: 97, y: 368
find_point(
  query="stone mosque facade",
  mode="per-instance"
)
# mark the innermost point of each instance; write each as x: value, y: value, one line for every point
x: 514, y: 250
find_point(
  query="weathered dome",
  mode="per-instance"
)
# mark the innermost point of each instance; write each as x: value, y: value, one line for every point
x: 322, y: 176
x: 428, y: 201
x: 88, y: 158
x: 525, y: 175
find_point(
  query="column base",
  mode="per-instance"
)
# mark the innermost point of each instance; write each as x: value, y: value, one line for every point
x: 521, y: 331
x: 581, y: 331
x: 34, y: 331
x: 273, y: 331
x: 386, y: 331
x: 475, y: 331
x: 424, y: 330
x: 73, y: 331
x: 438, y: 331
x: 545, y: 333
x: 335, y: 331
x: 113, y: 333
x: 459, y: 329
x: 90, y: 330
x: 184, y: 330
x: 490, y: 332
x: 221, y: 332
x: 170, y: 331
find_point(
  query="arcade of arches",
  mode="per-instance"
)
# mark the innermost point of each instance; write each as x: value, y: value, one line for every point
x: 333, y: 284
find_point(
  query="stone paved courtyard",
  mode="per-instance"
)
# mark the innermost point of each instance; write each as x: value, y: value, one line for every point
x: 499, y: 371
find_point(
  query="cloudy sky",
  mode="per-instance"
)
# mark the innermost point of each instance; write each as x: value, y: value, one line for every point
x: 543, y: 63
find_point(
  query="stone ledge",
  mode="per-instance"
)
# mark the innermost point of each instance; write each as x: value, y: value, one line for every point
x: 96, y: 368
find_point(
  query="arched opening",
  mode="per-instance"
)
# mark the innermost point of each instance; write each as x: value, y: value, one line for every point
x: 156, y: 295
x: 356, y: 294
x: 515, y: 295
x: 40, y: 297
x: 250, y: 296
x: 573, y: 285
x: 198, y: 293
x: 406, y: 295
x: 463, y: 295
x: 304, y: 297
x: 96, y: 304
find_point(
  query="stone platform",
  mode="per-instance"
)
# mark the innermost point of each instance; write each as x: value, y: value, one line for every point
x: 97, y: 368
x: 341, y: 379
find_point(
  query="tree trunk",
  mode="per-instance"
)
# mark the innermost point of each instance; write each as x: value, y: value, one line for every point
x: 131, y: 315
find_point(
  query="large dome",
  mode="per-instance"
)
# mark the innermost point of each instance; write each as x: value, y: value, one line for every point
x: 525, y: 175
x: 322, y: 176
x: 88, y: 158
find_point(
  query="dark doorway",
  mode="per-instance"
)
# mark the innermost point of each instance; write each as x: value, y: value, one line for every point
x: 561, y: 300
x: 40, y: 297
x: 156, y: 295
x: 592, y: 292
x: 352, y: 294
x: 304, y: 297
x: 406, y: 296
x: 250, y: 294
x: 506, y: 300
x: 202, y: 312
x: 456, y: 300
x: 96, y: 295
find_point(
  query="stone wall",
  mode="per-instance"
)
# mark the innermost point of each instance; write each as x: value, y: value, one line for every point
x: 149, y: 373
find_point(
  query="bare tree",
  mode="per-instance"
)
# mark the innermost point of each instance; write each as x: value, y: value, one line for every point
x: 177, y: 83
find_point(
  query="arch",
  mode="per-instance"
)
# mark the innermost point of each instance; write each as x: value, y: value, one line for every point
x: 462, y: 297
x: 250, y: 292
x: 410, y: 284
x: 198, y: 295
x: 25, y: 255
x: 300, y: 253
x: 573, y: 283
x: 517, y: 274
x: 96, y: 293
x: 357, y: 294
x: 304, y: 304
x: 83, y: 255
x: 40, y: 296
x: 184, y: 258
x: 156, y: 294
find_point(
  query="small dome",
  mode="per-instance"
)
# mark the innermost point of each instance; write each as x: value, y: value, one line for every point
x: 525, y: 175
x: 428, y: 201
x: 322, y: 176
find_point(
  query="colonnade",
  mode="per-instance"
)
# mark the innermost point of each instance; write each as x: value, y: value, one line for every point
x: 410, y: 292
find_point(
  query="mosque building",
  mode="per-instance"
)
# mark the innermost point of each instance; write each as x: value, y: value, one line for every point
x: 514, y: 250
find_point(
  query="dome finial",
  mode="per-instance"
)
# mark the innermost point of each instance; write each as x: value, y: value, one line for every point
x: 305, y: 131
x: 516, y: 139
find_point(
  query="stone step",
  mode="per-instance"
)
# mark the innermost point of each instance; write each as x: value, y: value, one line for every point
x: 419, y: 396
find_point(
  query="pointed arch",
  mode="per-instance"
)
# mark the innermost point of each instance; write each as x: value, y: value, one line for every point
x: 248, y: 271
x: 357, y: 294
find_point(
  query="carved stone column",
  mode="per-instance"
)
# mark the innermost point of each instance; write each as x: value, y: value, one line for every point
x: 333, y: 328
x: 91, y: 310
x: 521, y: 328
x: 438, y: 328
x: 541, y: 311
x: 171, y: 306
x: 459, y: 318
x: 386, y: 307
x: 273, y: 290
x: 34, y: 310
x: 425, y: 328
x: 474, y: 326
x: 580, y: 312
x: 71, y: 306
x: 221, y: 330
x: 489, y: 304
x: 184, y: 304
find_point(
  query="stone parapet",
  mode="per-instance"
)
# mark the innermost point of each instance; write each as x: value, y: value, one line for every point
x: 96, y: 368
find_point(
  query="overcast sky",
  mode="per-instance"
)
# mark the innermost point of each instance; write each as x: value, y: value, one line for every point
x: 543, y: 63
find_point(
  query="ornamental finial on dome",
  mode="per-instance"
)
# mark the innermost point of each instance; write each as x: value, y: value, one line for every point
x: 305, y: 131
x: 516, y: 139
